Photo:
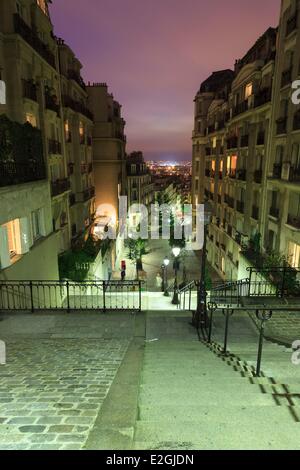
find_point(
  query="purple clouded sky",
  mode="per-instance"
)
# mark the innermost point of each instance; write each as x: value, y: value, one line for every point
x: 155, y: 53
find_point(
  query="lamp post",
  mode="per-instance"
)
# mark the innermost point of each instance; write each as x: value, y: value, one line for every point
x: 165, y: 280
x: 176, y: 253
x: 200, y: 316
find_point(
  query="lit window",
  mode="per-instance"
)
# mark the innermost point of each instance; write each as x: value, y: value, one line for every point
x: 213, y: 165
x: 228, y: 165
x: 294, y: 254
x: 31, y: 119
x: 43, y: 6
x: 81, y: 129
x: 214, y: 142
x: 14, y: 237
x: 248, y: 90
x: 233, y: 162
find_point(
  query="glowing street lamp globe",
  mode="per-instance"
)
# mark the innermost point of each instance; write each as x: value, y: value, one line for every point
x: 176, y: 251
x: 166, y: 262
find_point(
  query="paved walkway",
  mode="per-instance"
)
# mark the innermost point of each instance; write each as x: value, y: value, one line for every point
x: 122, y: 381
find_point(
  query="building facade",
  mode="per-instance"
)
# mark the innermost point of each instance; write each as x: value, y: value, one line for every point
x: 29, y: 119
x: 231, y: 149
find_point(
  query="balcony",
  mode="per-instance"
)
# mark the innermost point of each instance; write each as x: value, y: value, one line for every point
x: 286, y: 77
x: 241, y: 174
x: 78, y: 107
x: 294, y: 221
x: 281, y: 126
x: 51, y: 102
x: 60, y: 186
x: 33, y: 40
x: 277, y: 170
x: 72, y: 199
x: 232, y: 174
x: 18, y: 173
x: 88, y: 193
x: 29, y: 90
x: 21, y: 153
x: 240, y: 108
x: 260, y: 138
x: 232, y: 142
x: 296, y: 121
x: 54, y: 147
x: 73, y: 75
x: 258, y: 176
x: 274, y: 212
x: 255, y: 212
x: 240, y: 206
x: 291, y: 24
x: 244, y: 140
x: 263, y: 96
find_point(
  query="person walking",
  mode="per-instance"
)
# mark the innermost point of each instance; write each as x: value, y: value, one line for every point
x: 159, y: 281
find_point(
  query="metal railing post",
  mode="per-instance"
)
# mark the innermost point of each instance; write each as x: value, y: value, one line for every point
x: 212, y: 308
x: 140, y: 296
x: 31, y: 296
x: 104, y: 295
x: 283, y: 282
x: 229, y: 312
x: 68, y: 298
x: 263, y: 317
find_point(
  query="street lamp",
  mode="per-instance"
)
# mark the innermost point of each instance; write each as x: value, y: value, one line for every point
x: 176, y: 252
x: 165, y: 278
x: 200, y: 316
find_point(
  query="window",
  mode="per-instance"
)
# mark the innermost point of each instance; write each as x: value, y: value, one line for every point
x: 31, y: 119
x: 36, y: 224
x: 14, y: 237
x: 248, y: 90
x: 294, y: 254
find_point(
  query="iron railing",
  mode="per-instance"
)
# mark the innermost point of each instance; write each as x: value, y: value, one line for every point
x: 17, y: 173
x: 69, y: 295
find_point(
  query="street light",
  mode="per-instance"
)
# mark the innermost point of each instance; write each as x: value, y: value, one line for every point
x: 176, y: 252
x: 200, y: 316
x: 165, y: 278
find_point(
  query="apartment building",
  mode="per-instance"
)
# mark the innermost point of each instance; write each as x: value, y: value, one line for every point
x: 232, y: 131
x: 139, y: 181
x: 29, y: 120
x: 78, y: 125
x: 281, y: 231
x: 109, y: 160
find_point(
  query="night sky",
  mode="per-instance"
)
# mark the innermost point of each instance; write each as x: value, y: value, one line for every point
x: 155, y: 53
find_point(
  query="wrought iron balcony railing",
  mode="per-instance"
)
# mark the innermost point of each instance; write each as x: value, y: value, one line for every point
x: 29, y: 90
x: 78, y: 107
x: 73, y: 75
x: 60, y: 186
x: 54, y: 147
x: 33, y: 40
x: 18, y: 173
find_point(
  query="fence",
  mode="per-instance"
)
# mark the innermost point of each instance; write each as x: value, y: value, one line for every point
x: 69, y: 295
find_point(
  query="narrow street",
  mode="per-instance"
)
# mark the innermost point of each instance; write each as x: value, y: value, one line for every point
x: 144, y: 381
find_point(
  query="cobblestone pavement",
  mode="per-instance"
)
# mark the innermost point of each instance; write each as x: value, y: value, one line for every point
x: 284, y: 327
x: 51, y: 390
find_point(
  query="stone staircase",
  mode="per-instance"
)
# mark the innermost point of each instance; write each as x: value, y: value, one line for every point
x: 194, y: 397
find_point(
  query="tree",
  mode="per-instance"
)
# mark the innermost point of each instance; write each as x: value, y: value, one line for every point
x: 136, y: 250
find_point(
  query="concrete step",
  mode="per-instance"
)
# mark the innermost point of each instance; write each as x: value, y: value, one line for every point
x: 223, y: 435
x: 248, y: 414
